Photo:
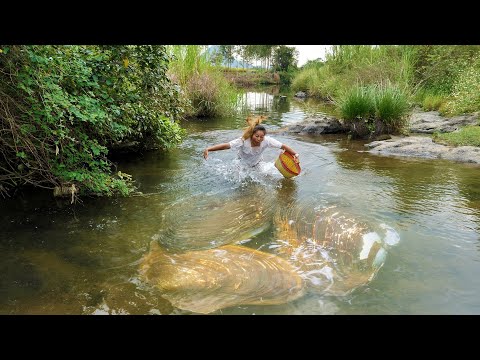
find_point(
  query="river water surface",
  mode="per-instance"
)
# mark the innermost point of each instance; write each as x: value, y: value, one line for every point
x: 85, y: 258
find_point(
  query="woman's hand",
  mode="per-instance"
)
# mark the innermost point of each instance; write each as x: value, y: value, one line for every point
x: 295, y: 158
x: 205, y: 154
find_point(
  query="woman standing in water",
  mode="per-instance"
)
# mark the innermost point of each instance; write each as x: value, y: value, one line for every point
x: 252, y: 143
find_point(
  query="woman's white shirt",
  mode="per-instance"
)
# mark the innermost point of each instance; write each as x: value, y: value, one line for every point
x: 253, y: 155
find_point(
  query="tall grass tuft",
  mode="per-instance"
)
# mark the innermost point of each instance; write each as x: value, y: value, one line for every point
x: 374, y: 109
x: 188, y: 60
x: 203, y: 84
x: 391, y: 105
x: 357, y: 103
x: 211, y: 95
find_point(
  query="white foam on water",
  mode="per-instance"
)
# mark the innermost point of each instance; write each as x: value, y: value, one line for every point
x: 368, y: 240
x: 318, y: 277
x: 391, y: 236
x: 243, y: 241
x: 379, y: 258
x: 237, y: 172
x: 274, y: 246
x: 104, y: 309
x: 268, y: 168
x: 327, y: 308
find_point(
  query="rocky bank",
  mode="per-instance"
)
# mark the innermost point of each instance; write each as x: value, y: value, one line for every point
x: 415, y: 145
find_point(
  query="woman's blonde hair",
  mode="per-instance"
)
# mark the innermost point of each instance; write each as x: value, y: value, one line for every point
x: 252, y: 121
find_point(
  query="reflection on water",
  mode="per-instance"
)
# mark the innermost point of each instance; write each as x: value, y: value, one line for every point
x: 362, y: 234
x: 257, y: 102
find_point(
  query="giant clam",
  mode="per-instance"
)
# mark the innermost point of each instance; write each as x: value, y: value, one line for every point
x: 204, y: 281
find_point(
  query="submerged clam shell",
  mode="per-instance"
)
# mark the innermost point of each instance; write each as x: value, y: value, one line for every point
x: 203, y: 222
x: 204, y: 281
x: 334, y: 253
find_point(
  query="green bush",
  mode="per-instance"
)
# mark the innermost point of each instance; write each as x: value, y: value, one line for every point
x: 439, y: 66
x: 66, y: 106
x: 203, y: 84
x: 305, y: 79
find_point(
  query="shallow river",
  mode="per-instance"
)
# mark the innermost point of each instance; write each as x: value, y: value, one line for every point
x: 354, y: 233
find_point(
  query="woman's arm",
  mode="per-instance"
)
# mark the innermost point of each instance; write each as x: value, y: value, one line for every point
x: 290, y: 151
x: 223, y: 146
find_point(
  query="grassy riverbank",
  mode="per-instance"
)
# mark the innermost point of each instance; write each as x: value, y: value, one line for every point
x: 250, y: 77
x: 466, y: 136
x: 436, y: 77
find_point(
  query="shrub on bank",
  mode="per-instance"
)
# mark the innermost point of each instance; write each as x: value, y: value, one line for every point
x: 374, y: 109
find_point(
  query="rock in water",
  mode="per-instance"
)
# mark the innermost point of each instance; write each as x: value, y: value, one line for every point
x: 204, y: 281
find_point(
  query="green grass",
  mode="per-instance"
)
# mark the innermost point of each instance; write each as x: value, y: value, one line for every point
x: 391, y: 104
x: 466, y: 136
x: 433, y: 102
x: 430, y: 99
x: 348, y: 65
x: 203, y: 84
x: 374, y: 109
x: 358, y: 102
x: 249, y: 77
x: 441, y: 77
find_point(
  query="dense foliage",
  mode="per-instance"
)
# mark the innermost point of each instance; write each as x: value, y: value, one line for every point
x: 204, y: 87
x: 280, y: 60
x: 64, y: 107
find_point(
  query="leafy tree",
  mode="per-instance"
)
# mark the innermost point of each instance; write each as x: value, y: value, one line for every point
x: 260, y: 52
x: 285, y: 58
x: 227, y: 52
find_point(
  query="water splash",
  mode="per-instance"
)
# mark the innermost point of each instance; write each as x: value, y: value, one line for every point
x: 237, y: 173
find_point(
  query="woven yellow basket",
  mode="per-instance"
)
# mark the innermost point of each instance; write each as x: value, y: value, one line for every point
x: 287, y: 165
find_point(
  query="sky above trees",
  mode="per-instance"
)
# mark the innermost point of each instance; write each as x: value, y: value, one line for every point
x: 310, y: 52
